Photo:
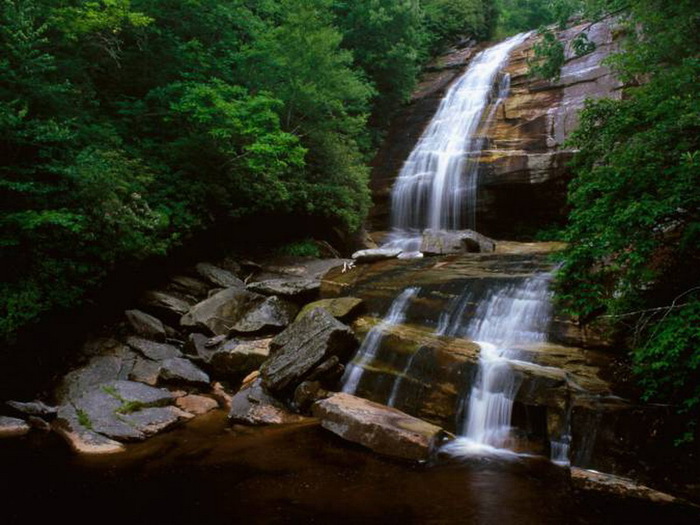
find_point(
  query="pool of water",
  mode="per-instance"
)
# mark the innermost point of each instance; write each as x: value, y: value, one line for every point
x: 208, y: 472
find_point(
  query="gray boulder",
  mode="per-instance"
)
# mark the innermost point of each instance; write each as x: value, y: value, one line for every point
x: 189, y: 286
x: 166, y: 304
x: 218, y: 314
x: 218, y: 276
x: 303, y: 346
x: 179, y: 370
x: 33, y: 408
x: 376, y: 254
x: 272, y: 314
x: 146, y: 325
x: 153, y: 350
x: 117, y: 410
x: 296, y: 289
x: 440, y: 242
x: 236, y: 359
x: 380, y: 428
x: 253, y: 406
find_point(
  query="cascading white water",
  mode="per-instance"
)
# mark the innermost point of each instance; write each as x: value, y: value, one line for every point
x: 368, y: 350
x: 436, y: 187
x: 515, y: 314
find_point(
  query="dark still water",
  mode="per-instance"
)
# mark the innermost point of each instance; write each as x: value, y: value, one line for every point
x: 208, y: 473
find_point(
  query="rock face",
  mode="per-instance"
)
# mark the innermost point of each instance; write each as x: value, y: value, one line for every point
x: 303, y: 346
x: 523, y: 175
x: 382, y: 429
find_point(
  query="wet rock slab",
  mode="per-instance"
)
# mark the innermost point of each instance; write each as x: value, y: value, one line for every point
x: 437, y: 242
x: 384, y: 430
x: 609, y: 484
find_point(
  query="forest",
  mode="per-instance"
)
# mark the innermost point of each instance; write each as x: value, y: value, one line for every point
x: 129, y: 127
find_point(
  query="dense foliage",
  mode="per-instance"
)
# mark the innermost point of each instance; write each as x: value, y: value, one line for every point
x: 634, y: 228
x: 127, y: 126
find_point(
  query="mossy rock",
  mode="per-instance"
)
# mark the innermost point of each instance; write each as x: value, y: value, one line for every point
x: 342, y: 308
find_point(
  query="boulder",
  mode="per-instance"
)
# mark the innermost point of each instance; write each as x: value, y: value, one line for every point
x: 253, y: 406
x: 218, y: 276
x: 307, y: 393
x: 384, y: 430
x: 182, y: 371
x: 608, y: 484
x: 146, y: 325
x: 219, y: 313
x: 295, y: 289
x: 196, y: 405
x: 270, y: 315
x: 145, y: 371
x: 33, y: 408
x: 202, y: 347
x: 13, y: 427
x: 152, y: 350
x: 342, y: 308
x: 303, y: 346
x: 118, y: 410
x: 239, y: 311
x: 236, y: 359
x: 440, y: 242
x: 376, y: 254
x: 189, y: 286
x: 167, y: 304
x: 83, y: 440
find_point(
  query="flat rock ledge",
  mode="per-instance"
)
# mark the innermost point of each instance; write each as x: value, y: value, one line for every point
x: 12, y: 427
x: 609, y: 484
x: 376, y: 254
x: 382, y: 429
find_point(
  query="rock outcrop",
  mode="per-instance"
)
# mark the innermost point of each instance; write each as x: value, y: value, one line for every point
x: 523, y: 173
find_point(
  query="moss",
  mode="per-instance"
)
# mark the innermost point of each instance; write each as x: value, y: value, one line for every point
x: 84, y: 419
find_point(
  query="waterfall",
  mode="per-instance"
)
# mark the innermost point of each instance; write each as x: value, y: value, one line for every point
x: 436, y: 187
x: 368, y: 350
x: 514, y: 314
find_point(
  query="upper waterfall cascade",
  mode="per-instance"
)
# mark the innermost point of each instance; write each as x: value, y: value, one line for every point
x: 436, y: 187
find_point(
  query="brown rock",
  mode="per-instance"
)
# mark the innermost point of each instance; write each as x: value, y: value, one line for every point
x: 590, y: 480
x: 380, y: 428
x: 196, y: 405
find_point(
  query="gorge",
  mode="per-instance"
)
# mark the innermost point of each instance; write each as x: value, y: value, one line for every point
x: 442, y: 347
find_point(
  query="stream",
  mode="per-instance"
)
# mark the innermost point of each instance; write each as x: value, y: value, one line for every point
x: 206, y: 472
